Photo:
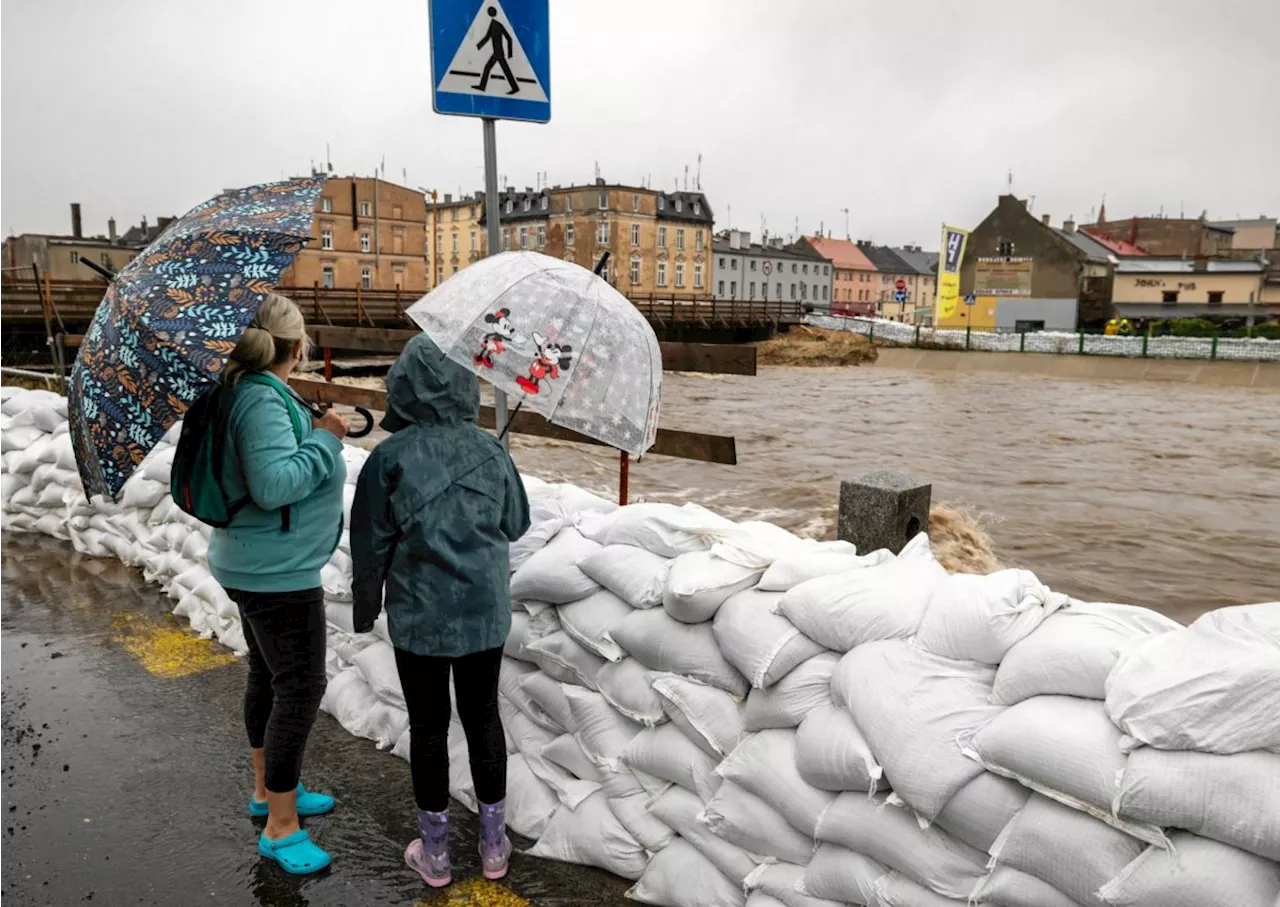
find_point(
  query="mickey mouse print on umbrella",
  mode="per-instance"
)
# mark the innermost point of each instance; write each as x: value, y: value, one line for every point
x: 557, y: 338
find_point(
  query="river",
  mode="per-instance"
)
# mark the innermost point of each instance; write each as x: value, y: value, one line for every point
x: 1163, y: 495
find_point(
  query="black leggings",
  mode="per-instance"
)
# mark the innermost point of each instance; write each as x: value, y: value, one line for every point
x: 285, y: 632
x: 425, y: 679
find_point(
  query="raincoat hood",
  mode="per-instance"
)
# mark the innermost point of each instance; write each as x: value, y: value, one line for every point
x: 425, y: 387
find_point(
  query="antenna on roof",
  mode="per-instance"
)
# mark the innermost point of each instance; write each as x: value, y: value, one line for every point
x: 328, y: 161
x: 697, y: 183
x: 1009, y: 181
x: 686, y: 177
x: 1031, y: 204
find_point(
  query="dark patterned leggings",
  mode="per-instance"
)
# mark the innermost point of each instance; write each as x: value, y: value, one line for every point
x: 425, y: 679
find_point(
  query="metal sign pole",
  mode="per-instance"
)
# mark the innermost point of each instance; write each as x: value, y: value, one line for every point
x: 491, y: 209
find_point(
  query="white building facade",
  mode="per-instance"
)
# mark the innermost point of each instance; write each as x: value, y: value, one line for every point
x: 744, y: 271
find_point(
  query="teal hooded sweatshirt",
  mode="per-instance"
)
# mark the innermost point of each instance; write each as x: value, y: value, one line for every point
x: 436, y: 508
x: 267, y: 463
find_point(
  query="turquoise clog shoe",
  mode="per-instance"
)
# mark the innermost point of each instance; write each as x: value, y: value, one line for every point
x: 296, y: 854
x: 309, y: 803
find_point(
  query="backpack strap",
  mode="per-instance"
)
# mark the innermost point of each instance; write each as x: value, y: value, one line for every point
x: 295, y: 405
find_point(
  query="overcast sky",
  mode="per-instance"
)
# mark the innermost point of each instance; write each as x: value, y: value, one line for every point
x: 908, y: 113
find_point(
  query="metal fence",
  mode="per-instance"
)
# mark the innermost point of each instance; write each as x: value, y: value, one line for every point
x: 1069, y: 344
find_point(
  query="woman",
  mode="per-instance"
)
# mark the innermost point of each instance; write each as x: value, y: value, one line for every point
x: 436, y: 507
x: 288, y: 469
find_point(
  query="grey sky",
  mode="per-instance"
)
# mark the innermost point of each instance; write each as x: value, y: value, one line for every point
x: 908, y: 113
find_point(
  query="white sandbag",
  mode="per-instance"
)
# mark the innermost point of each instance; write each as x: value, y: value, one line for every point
x: 522, y: 733
x: 762, y: 645
x: 30, y: 445
x: 787, y: 702
x: 627, y: 685
x: 848, y: 609
x: 377, y: 664
x: 10, y: 484
x: 910, y: 706
x: 566, y: 752
x: 633, y: 812
x: 547, y: 693
x: 678, y: 809
x: 738, y: 816
x: 972, y: 617
x: 601, y: 731
x: 591, y: 835
x: 354, y: 458
x: 348, y: 498
x: 756, y: 544
x: 832, y: 754
x: 1233, y: 799
x: 698, y: 584
x: 792, y: 568
x: 781, y: 881
x: 142, y: 493
x: 620, y: 781
x: 511, y: 678
x: 765, y: 764
x: 892, y: 836
x: 158, y: 466
x: 636, y: 576
x: 527, y: 629
x: 336, y: 583
x: 662, y: 529
x: 576, y: 501
x: 568, y: 788
x: 896, y: 890
x: 552, y: 574
x: 1205, y: 873
x: 1062, y: 747
x: 591, y: 620
x: 666, y: 752
x: 565, y: 659
x: 661, y: 643
x: 709, y: 716
x: 839, y: 874
x: 680, y: 876
x: 1074, y: 650
x: 351, y: 700
x: 1212, y: 686
x: 530, y: 803
x: 30, y: 400
x: 533, y: 541
x: 982, y: 809
x: 51, y: 497
x: 1007, y: 887
x: 1067, y: 848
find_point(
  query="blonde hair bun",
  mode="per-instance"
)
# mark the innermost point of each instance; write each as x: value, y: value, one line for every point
x: 269, y: 339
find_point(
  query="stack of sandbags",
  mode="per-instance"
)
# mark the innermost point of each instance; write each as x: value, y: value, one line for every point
x: 38, y: 465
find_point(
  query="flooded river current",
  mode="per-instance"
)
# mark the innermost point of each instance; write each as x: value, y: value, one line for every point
x: 1155, y: 494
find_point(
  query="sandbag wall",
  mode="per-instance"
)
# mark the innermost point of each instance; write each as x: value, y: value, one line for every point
x: 731, y: 715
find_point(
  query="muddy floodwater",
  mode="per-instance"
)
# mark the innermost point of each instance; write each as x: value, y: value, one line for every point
x: 1154, y: 494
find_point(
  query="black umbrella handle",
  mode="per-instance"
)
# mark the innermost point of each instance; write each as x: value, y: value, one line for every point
x: 599, y: 268
x: 317, y: 411
x: 105, y: 273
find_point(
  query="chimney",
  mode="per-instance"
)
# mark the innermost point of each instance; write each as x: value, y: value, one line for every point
x: 528, y: 189
x: 448, y: 197
x: 1044, y: 219
x: 111, y: 230
x: 599, y: 180
x: 75, y: 220
x: 1201, y: 264
x: 1068, y: 225
x: 144, y: 228
x: 162, y: 222
x: 735, y: 239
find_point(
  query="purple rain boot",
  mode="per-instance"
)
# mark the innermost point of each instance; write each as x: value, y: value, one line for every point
x: 495, y: 846
x: 428, y: 854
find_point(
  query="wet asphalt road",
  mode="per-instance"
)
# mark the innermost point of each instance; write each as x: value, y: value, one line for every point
x: 126, y: 773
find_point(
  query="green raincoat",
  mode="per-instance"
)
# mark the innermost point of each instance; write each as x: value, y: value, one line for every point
x: 436, y: 508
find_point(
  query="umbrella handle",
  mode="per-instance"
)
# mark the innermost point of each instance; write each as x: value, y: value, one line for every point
x: 368, y: 423
x: 511, y: 418
x: 599, y: 268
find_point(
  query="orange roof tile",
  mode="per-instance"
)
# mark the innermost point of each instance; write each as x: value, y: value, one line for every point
x: 842, y: 253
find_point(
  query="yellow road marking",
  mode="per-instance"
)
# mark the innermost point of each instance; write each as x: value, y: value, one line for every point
x: 478, y: 893
x: 164, y: 648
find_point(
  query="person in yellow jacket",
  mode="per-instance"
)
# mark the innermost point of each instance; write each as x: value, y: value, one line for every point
x: 1112, y: 328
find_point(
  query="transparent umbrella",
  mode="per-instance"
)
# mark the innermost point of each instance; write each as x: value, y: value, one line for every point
x: 557, y: 338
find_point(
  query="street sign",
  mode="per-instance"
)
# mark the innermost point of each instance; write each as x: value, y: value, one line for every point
x: 767, y: 267
x: 900, y: 295
x: 971, y: 300
x: 900, y: 284
x: 490, y: 60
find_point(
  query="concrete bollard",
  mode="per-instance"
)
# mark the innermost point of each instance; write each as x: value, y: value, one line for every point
x: 883, y: 510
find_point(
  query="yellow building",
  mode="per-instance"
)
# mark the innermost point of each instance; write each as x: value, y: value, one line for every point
x: 455, y: 235
x: 1189, y: 288
x: 367, y: 233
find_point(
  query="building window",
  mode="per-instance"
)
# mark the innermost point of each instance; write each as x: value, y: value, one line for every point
x: 635, y: 203
x: 366, y: 278
x: 697, y: 207
x: 604, y: 201
x: 662, y: 273
x: 662, y: 203
x: 793, y: 267
x: 528, y: 204
x: 471, y: 247
x: 364, y: 242
x: 662, y: 237
x: 106, y: 259
x: 398, y: 274
x: 473, y: 212
x: 542, y: 237
x: 326, y: 238
x: 752, y: 290
x: 680, y: 240
x: 697, y: 240
x: 326, y: 205
x: 764, y: 290
x: 697, y: 275
x: 604, y: 272
x: 568, y: 234
x: 453, y: 214
x: 635, y: 270
x: 826, y: 269
x: 326, y: 277
x: 720, y: 288
x: 635, y: 234
x: 1215, y: 297
x: 364, y: 209
x: 524, y: 237
x: 1169, y: 297
x: 602, y: 233
x: 679, y: 274
x: 793, y: 291
x: 779, y: 293
x: 439, y: 243
x: 568, y: 203
x: 722, y: 265
x: 733, y: 289
x: 733, y: 264
x: 543, y: 204
x: 679, y: 206
x: 510, y: 206
x: 455, y: 243
x: 805, y: 269
x: 506, y: 240
x: 753, y: 264
x: 825, y: 291
x: 75, y: 258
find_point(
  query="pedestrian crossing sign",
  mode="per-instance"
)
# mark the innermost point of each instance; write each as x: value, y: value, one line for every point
x: 491, y: 60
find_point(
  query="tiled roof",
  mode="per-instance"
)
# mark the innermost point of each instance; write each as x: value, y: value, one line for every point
x: 692, y: 206
x: 1117, y: 246
x: 886, y: 260
x: 841, y: 252
x: 922, y: 262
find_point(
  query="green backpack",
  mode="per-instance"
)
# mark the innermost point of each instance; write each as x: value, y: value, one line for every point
x: 196, y: 479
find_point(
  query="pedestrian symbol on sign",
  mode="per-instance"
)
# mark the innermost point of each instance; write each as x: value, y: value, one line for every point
x: 490, y: 44
x: 971, y: 300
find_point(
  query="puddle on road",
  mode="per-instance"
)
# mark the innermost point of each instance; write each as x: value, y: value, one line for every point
x: 164, y: 648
